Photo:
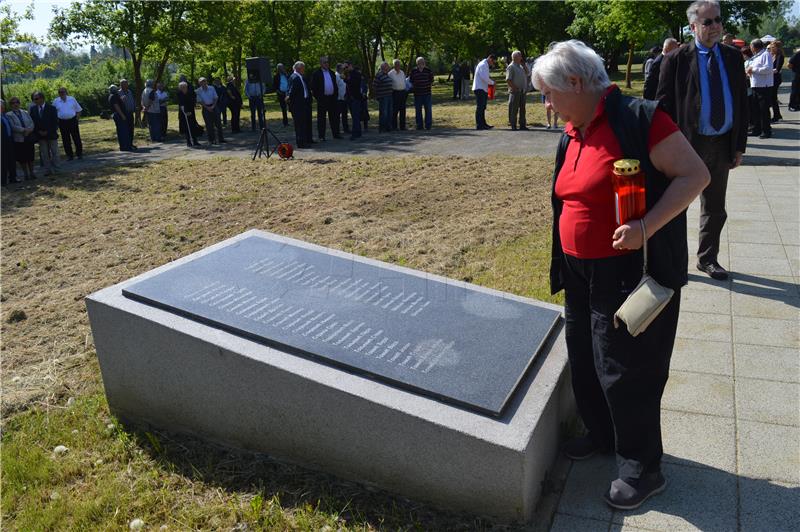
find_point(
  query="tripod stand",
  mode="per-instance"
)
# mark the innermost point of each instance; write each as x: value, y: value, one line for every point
x: 263, y: 144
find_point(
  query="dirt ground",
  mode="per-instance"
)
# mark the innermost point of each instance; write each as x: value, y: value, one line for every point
x: 66, y: 237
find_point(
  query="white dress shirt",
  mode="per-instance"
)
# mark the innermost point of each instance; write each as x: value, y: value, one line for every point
x: 482, y: 79
x: 761, y: 75
x: 398, y: 79
x: 67, y: 109
x: 327, y: 78
x: 341, y: 86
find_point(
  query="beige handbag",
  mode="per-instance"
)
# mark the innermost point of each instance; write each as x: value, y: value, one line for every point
x: 645, y: 302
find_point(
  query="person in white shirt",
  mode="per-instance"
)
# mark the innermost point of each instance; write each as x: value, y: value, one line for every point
x: 399, y: 95
x: 69, y: 111
x: 341, y: 99
x: 163, y: 99
x: 480, y: 86
x: 761, y: 79
x: 153, y: 109
x: 207, y: 98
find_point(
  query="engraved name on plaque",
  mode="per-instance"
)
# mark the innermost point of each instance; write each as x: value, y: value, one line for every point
x: 440, y: 339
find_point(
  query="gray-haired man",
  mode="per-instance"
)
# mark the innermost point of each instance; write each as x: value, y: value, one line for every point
x: 702, y: 86
x: 517, y: 78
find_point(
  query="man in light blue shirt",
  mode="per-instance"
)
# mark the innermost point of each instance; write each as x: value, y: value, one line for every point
x: 704, y: 66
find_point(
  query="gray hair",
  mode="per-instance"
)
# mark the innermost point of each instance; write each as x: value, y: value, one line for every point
x: 420, y: 58
x: 691, y: 13
x: 183, y: 84
x: 397, y: 62
x: 298, y: 64
x: 149, y: 83
x: 570, y: 58
x: 113, y: 89
x: 669, y: 42
x: 123, y: 80
x: 279, y: 66
x: 516, y: 53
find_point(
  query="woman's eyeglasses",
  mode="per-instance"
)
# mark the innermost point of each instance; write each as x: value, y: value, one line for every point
x: 709, y: 21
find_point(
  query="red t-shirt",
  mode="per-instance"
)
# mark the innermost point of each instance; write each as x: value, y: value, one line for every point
x: 588, y: 221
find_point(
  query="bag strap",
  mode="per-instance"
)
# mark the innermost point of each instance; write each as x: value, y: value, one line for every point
x: 644, y: 246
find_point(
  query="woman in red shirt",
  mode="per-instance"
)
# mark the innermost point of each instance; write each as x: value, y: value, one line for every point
x: 618, y: 379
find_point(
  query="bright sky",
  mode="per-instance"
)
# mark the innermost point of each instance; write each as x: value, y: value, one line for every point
x: 43, y: 13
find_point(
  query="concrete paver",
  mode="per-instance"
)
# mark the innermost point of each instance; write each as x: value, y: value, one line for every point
x: 767, y: 363
x: 768, y: 451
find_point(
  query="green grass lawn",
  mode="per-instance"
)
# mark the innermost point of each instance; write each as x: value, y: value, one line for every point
x: 68, y: 236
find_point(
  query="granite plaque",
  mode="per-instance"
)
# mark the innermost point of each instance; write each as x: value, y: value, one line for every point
x: 437, y: 338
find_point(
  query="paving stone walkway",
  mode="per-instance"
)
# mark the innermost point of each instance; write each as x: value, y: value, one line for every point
x: 731, y: 410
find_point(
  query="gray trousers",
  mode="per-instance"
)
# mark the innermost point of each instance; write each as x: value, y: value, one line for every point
x: 516, y: 106
x: 48, y: 152
x: 465, y: 86
x: 716, y: 154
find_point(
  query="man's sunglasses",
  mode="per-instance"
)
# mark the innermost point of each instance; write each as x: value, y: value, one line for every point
x: 709, y: 21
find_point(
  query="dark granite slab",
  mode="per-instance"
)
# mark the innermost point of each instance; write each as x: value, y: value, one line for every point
x: 456, y: 344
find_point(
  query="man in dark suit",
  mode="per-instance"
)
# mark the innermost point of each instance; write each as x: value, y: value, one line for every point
x: 707, y: 76
x: 45, y: 125
x: 651, y: 81
x: 299, y: 100
x: 234, y: 104
x: 326, y: 92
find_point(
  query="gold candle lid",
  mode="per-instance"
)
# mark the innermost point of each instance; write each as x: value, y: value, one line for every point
x: 626, y: 166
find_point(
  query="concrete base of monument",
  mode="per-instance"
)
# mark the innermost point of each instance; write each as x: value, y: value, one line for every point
x: 170, y: 372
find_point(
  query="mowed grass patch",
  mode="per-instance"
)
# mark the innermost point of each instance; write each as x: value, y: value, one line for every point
x: 110, y: 475
x: 484, y: 220
x: 65, y: 238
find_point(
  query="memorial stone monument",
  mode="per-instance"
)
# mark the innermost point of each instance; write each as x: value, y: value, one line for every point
x: 433, y: 388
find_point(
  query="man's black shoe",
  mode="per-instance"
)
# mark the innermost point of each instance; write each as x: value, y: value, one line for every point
x: 338, y: 137
x: 523, y: 128
x: 487, y: 126
x: 765, y: 136
x: 754, y: 133
x: 581, y: 448
x: 714, y: 270
x: 223, y: 141
x: 626, y: 496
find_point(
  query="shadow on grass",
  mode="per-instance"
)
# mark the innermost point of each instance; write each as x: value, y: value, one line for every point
x: 89, y: 178
x: 292, y: 486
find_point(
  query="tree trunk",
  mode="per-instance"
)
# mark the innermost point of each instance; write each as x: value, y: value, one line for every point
x: 273, y: 18
x: 139, y: 84
x: 192, y: 70
x: 631, y: 44
x: 162, y: 65
x: 236, y: 66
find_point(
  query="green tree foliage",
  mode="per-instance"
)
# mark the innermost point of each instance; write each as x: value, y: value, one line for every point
x: 17, y: 48
x: 143, y: 28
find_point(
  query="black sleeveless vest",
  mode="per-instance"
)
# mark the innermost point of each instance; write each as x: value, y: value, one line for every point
x: 668, y: 255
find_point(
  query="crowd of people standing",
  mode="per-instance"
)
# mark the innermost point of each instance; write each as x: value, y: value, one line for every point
x: 40, y: 123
